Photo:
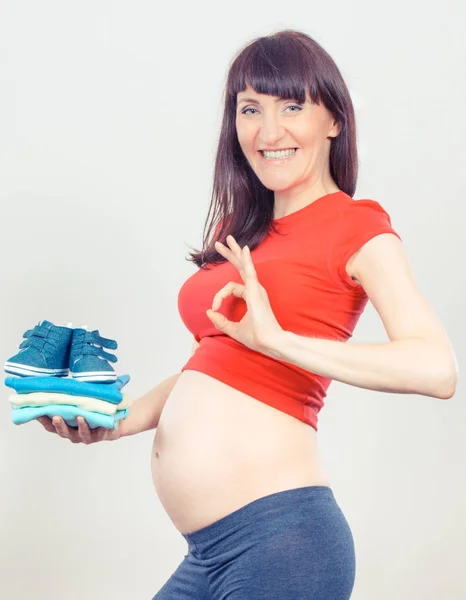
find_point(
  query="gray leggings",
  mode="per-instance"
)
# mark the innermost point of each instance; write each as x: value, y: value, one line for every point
x: 291, y: 545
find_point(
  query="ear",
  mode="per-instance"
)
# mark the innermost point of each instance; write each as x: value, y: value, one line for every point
x: 335, y: 130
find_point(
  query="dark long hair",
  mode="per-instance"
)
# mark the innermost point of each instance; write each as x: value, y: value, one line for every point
x: 285, y: 64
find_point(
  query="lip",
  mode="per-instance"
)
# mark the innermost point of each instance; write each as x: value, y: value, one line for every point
x: 278, y: 161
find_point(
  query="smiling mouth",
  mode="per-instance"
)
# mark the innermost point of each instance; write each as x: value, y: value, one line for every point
x: 278, y: 158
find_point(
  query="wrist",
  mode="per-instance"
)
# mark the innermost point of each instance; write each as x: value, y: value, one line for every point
x: 123, y: 428
x: 275, y: 344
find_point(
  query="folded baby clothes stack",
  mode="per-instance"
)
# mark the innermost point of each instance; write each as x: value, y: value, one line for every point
x: 40, y: 372
x: 101, y: 404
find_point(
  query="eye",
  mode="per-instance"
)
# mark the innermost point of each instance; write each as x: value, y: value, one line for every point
x: 299, y: 108
x: 295, y: 106
x: 243, y: 112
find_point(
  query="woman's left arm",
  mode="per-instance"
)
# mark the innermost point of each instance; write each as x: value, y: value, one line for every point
x: 418, y: 359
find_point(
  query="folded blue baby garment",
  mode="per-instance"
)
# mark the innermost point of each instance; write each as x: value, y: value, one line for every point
x: 67, y: 385
x: 69, y: 413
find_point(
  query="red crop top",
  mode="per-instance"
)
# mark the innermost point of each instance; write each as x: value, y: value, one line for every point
x: 310, y: 294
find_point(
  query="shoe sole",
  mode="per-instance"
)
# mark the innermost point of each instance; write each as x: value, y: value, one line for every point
x: 27, y: 371
x: 100, y: 376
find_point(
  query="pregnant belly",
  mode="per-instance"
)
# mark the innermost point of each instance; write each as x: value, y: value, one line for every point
x: 216, y: 449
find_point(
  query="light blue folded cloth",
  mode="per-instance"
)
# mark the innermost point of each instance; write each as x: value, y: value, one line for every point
x: 67, y: 385
x: 69, y: 413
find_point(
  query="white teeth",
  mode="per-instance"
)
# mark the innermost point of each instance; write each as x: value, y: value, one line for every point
x: 279, y: 154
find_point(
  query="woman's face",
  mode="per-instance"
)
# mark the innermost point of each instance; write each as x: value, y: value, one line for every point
x: 266, y: 122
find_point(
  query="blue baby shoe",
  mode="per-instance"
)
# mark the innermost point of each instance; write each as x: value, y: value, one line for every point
x: 88, y: 362
x: 45, y: 352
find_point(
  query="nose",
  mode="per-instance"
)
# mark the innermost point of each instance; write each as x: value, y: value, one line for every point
x: 271, y: 130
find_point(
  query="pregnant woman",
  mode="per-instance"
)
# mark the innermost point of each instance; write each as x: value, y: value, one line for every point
x: 286, y: 270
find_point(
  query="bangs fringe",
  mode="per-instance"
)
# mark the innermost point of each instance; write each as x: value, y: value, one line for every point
x: 279, y: 66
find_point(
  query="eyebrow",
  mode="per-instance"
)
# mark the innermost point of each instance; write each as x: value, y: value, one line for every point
x: 254, y: 101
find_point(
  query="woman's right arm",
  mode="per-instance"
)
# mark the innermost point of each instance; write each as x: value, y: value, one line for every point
x: 144, y: 414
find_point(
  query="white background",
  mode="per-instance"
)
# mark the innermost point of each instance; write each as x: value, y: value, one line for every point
x: 109, y: 116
